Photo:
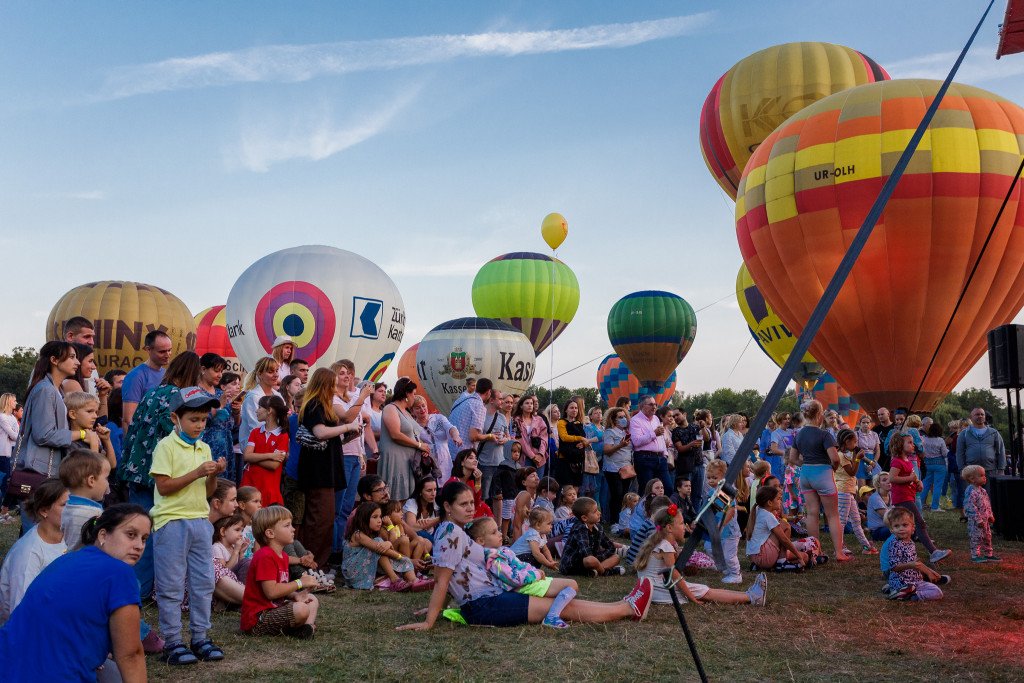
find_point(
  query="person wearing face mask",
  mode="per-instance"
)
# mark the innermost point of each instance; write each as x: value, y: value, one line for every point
x: 618, y: 459
x: 981, y: 445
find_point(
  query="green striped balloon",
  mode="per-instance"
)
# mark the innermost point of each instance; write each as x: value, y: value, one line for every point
x: 534, y: 293
x: 652, y: 332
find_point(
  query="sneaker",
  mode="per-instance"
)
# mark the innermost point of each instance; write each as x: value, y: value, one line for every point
x: 152, y: 644
x: 616, y: 571
x: 870, y: 550
x: 758, y: 591
x: 555, y: 622
x: 993, y: 558
x: 939, y: 555
x: 732, y: 578
x: 905, y: 593
x: 886, y: 589
x: 979, y: 559
x: 943, y: 580
x: 640, y: 598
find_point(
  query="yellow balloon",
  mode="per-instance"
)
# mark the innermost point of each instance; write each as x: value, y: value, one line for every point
x: 554, y: 229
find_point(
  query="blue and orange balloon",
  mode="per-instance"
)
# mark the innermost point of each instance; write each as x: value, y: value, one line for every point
x: 614, y: 380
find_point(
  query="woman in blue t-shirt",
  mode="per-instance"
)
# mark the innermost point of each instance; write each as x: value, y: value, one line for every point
x: 94, y: 622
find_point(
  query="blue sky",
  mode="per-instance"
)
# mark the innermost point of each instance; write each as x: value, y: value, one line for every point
x: 176, y: 143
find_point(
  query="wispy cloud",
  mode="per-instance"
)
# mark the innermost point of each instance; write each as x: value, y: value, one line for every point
x: 979, y: 66
x: 293, y: 63
x: 315, y: 139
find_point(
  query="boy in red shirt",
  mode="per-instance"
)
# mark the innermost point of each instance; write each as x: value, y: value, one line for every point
x: 271, y: 604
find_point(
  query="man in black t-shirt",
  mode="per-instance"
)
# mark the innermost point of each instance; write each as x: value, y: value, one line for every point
x: 883, y: 427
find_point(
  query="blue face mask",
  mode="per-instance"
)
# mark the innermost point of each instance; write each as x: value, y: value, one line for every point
x: 185, y: 437
x: 622, y: 422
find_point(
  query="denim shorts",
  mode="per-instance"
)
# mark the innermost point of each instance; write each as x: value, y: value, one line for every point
x: 818, y: 478
x: 508, y: 608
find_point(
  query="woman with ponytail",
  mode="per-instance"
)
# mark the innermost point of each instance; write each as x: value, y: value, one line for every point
x: 102, y: 619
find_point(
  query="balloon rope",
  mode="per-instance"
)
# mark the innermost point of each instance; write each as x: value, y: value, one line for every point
x: 734, y: 365
x: 597, y: 358
x: 551, y: 346
x: 970, y: 278
x: 821, y: 310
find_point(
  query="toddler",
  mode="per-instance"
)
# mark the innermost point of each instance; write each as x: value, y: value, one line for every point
x: 412, y: 546
x: 272, y: 604
x: 228, y: 544
x: 659, y: 552
x: 532, y: 546
x: 629, y: 502
x: 505, y: 485
x: 82, y: 410
x: 84, y: 473
x: 547, y: 492
x: 906, y: 574
x: 792, y: 497
x: 978, y: 510
x: 515, y: 575
x: 250, y: 501
x: 366, y: 552
x: 730, y: 528
x: 588, y: 550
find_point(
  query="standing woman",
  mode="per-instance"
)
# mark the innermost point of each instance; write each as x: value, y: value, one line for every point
x: 552, y: 414
x: 61, y: 632
x: 321, y: 468
x: 618, y: 460
x: 732, y: 438
x: 8, y: 437
x: 817, y: 479
x: 531, y: 431
x: 436, y: 431
x: 291, y: 385
x: 375, y: 404
x: 399, y: 441
x: 262, y: 381
x: 45, y: 438
x: 594, y: 481
x: 219, y: 434
x: 83, y: 378
x: 572, y: 444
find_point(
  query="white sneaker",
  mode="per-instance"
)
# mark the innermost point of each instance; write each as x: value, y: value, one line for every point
x: 939, y: 555
x: 732, y: 578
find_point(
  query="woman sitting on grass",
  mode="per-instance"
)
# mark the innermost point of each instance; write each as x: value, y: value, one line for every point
x: 460, y: 570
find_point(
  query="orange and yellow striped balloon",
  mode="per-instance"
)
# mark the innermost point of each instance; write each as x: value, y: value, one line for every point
x: 808, y: 188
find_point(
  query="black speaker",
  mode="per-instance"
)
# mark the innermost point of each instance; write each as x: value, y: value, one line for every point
x: 1008, y: 506
x: 1006, y: 357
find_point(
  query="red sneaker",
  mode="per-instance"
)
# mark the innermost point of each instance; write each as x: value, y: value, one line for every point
x: 640, y: 598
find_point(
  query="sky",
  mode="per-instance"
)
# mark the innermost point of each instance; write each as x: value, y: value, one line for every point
x: 177, y: 143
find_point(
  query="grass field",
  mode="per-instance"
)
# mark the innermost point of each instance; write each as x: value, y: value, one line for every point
x: 828, y: 624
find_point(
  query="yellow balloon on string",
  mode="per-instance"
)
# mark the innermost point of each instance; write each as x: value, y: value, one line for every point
x: 554, y: 229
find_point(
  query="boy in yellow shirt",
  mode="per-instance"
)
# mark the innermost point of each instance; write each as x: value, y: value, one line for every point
x: 185, y: 476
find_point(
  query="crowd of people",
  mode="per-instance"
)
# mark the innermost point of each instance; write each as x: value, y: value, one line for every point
x: 186, y: 484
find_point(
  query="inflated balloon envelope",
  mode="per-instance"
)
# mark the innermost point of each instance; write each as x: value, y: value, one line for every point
x: 652, y: 331
x: 212, y: 337
x: 806, y: 191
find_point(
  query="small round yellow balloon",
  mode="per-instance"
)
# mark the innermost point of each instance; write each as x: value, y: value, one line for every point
x: 554, y: 229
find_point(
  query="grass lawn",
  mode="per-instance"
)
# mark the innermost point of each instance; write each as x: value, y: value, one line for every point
x: 828, y: 624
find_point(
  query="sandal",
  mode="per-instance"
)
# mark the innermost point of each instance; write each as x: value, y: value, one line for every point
x: 207, y: 651
x: 178, y: 655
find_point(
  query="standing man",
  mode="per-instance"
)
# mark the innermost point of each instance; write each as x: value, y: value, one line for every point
x: 645, y: 430
x: 300, y: 368
x: 492, y: 453
x: 883, y: 428
x: 981, y: 445
x: 781, y: 441
x: 468, y: 415
x: 144, y: 377
x: 79, y: 330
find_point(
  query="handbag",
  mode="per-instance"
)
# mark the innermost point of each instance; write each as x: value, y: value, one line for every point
x: 424, y: 465
x: 24, y: 480
x: 627, y: 471
x: 308, y: 439
x: 590, y: 464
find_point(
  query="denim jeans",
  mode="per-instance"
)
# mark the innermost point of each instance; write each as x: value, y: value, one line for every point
x: 778, y: 466
x: 595, y: 486
x: 143, y: 497
x: 921, y: 529
x: 183, y: 551
x: 649, y: 466
x: 935, y: 473
x: 345, y: 501
x: 697, y: 480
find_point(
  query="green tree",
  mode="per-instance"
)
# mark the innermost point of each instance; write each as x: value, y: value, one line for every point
x: 16, y: 370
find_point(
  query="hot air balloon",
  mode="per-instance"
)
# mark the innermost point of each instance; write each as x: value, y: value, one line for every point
x: 761, y: 91
x: 807, y: 190
x: 554, y: 229
x: 652, y: 331
x: 614, y: 380
x: 474, y: 347
x: 832, y: 397
x: 770, y: 333
x: 123, y: 313
x: 407, y: 367
x: 334, y: 304
x: 212, y: 337
x: 536, y: 294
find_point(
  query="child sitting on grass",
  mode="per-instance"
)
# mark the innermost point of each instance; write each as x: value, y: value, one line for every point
x: 84, y: 473
x: 250, y: 501
x: 532, y: 546
x: 564, y: 509
x: 272, y: 604
x: 629, y: 502
x: 547, y: 492
x: 977, y: 509
x: 683, y: 500
x: 515, y: 575
x: 638, y: 537
x: 366, y: 552
x: 659, y: 552
x: 769, y: 543
x: 907, y: 575
x: 413, y: 545
x: 588, y: 550
x: 224, y: 501
x: 228, y: 546
x: 527, y: 482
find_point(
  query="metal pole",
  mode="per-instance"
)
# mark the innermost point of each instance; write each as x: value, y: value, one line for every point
x: 686, y: 628
x: 1011, y: 430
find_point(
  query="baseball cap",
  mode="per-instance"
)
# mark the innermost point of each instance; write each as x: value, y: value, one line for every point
x: 865, y: 489
x: 283, y: 339
x: 193, y: 397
